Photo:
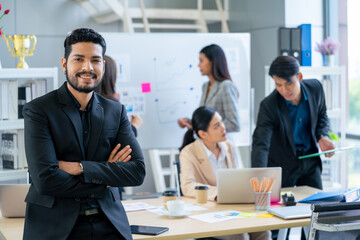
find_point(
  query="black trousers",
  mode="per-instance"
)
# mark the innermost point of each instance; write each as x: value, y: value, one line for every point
x: 94, y: 227
x: 307, y: 173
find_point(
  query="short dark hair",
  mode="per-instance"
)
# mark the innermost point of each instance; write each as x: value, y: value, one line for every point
x: 201, y: 119
x: 219, y: 64
x: 83, y: 35
x: 284, y: 67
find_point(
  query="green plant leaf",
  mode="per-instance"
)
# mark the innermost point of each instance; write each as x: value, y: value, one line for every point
x: 333, y: 136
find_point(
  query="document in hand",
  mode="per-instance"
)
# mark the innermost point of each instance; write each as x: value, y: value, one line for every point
x: 325, y: 152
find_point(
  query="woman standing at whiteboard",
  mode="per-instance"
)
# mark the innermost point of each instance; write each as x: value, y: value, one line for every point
x: 219, y: 93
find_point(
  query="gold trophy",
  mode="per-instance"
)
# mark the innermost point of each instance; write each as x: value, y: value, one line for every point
x: 22, y: 45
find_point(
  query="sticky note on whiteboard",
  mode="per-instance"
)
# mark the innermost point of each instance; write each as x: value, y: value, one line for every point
x: 145, y: 87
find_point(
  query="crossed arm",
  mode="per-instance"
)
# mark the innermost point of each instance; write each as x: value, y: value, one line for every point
x: 74, y: 168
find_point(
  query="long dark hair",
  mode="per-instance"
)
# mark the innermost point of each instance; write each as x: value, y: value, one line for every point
x: 219, y: 64
x: 107, y: 85
x: 201, y: 119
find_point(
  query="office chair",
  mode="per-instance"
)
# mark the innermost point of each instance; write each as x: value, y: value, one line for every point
x: 335, y: 221
x: 177, y: 175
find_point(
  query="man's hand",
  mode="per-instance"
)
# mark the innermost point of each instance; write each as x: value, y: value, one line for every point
x: 72, y: 168
x: 325, y: 145
x: 184, y: 122
x: 120, y: 156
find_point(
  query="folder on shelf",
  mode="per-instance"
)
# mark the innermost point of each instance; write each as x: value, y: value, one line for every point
x: 13, y: 99
x: 305, y: 44
x: 284, y: 41
x: 9, y: 150
x: 4, y: 114
x: 296, y: 43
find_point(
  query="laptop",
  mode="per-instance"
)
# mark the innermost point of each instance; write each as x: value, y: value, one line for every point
x: 12, y: 199
x: 292, y: 212
x: 234, y: 187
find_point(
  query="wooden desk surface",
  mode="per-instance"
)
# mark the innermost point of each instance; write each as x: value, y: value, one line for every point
x: 185, y: 228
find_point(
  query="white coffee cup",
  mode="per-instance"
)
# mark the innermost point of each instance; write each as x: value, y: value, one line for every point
x: 176, y: 207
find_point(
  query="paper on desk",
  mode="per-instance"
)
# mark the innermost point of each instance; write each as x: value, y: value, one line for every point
x: 188, y: 208
x: 214, y: 217
x: 244, y: 214
x: 325, y: 152
x: 138, y: 206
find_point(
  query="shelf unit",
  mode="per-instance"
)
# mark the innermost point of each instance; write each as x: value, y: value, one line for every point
x: 334, y: 83
x: 24, y: 75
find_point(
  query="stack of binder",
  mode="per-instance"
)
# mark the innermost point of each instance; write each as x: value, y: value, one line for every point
x: 296, y: 42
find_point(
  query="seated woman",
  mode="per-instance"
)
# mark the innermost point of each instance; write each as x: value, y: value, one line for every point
x: 201, y: 158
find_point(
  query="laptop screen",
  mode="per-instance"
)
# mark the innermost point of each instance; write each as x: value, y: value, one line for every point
x: 234, y: 187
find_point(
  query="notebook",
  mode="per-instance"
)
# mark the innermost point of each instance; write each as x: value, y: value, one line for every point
x: 233, y: 184
x: 12, y: 199
x: 301, y: 211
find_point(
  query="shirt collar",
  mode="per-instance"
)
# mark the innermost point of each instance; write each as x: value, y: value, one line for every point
x: 76, y: 102
x: 303, y: 98
x: 208, y: 152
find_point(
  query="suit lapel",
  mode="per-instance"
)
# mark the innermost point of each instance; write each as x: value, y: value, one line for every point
x: 311, y: 107
x: 284, y: 114
x: 97, y: 119
x: 229, y: 161
x: 73, y: 114
x: 203, y: 96
x: 205, y: 165
x: 214, y: 89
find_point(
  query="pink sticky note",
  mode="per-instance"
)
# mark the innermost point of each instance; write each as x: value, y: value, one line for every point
x: 145, y: 87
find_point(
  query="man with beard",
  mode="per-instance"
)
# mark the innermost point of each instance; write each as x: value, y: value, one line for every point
x: 78, y: 147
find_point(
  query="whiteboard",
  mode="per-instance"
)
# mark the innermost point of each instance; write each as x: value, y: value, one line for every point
x: 158, y: 78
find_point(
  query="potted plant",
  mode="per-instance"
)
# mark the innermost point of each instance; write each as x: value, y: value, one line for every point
x: 327, y: 48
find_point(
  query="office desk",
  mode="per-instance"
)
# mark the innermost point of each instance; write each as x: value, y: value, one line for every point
x: 185, y: 228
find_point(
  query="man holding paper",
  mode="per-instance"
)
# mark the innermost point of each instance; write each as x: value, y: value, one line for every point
x: 292, y: 122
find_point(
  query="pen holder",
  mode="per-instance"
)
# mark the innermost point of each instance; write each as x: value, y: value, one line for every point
x: 262, y: 201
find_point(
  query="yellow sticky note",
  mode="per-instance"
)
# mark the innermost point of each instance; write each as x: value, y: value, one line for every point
x: 265, y: 215
x: 244, y: 214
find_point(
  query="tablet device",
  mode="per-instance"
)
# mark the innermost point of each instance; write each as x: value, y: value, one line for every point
x: 147, y: 230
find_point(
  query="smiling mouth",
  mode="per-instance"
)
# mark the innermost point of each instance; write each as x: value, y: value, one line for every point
x: 86, y: 75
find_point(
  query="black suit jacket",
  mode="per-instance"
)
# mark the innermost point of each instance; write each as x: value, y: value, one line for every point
x: 53, y: 131
x: 273, y: 141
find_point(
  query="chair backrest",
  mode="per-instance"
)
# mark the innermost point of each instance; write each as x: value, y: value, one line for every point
x: 178, y: 169
x: 335, y: 217
x: 163, y: 168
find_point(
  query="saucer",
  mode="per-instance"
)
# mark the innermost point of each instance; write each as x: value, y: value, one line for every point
x: 180, y: 215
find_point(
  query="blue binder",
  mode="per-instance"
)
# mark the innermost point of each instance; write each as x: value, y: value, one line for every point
x: 321, y: 197
x: 305, y: 44
x: 349, y: 195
